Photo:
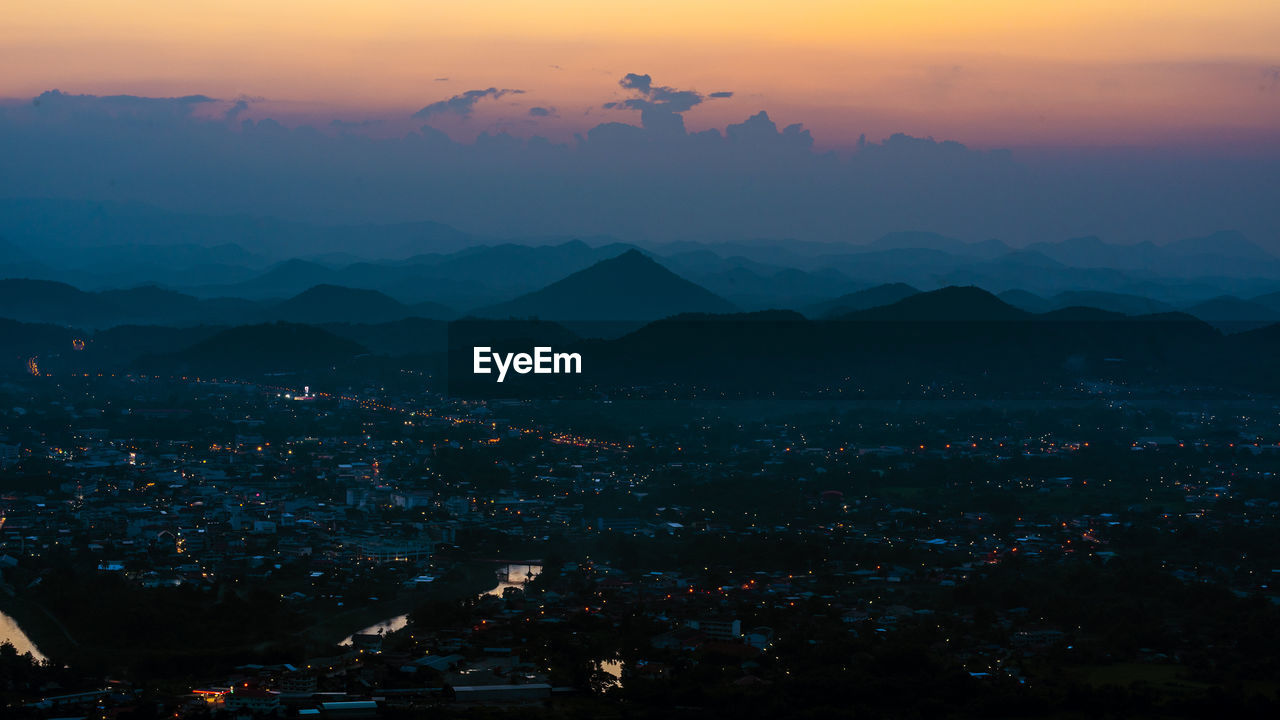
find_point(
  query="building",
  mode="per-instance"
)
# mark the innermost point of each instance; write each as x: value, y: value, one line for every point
x: 719, y: 629
x: 298, y: 683
x: 532, y: 692
x: 368, y: 642
x: 349, y: 709
x: 254, y: 700
x: 389, y: 552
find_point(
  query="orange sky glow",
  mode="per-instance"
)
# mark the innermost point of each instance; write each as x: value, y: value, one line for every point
x: 985, y: 72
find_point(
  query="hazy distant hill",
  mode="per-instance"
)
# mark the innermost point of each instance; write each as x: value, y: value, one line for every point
x: 46, y: 301
x: 334, y: 304
x: 909, y: 265
x: 1225, y: 244
x: 1024, y: 300
x: 18, y: 263
x: 1093, y: 252
x: 94, y: 246
x: 1225, y: 253
x: 410, y: 336
x: 1115, y: 302
x: 520, y: 266
x: 986, y: 249
x: 281, y: 280
x: 470, y: 277
x: 59, y: 303
x: 1231, y: 314
x: 950, y: 304
x: 861, y: 300
x: 777, y: 253
x: 1225, y: 312
x: 769, y: 288
x: 1271, y: 300
x: 628, y: 287
x: 1078, y: 314
x: 1033, y: 271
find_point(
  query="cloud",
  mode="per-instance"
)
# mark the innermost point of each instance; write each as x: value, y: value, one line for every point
x: 640, y: 83
x: 653, y: 96
x: 54, y: 101
x: 542, y: 112
x: 1270, y: 78
x: 755, y: 178
x: 463, y: 104
x: 354, y: 124
x: 659, y: 105
x: 236, y: 110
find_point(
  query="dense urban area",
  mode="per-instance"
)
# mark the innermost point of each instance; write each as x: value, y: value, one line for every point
x: 196, y: 547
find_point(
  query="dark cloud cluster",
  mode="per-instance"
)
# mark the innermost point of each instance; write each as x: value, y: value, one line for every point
x: 761, y: 129
x: 655, y: 96
x: 464, y: 103
x: 54, y: 102
x: 659, y: 105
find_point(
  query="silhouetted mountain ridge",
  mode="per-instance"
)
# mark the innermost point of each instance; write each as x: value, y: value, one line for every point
x: 336, y: 304
x: 255, y: 349
x: 861, y: 300
x: 629, y: 287
x: 949, y: 304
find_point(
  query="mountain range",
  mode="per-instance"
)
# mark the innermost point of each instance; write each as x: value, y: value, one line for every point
x: 101, y: 246
x: 629, y: 286
x: 954, y: 333
x: 45, y: 301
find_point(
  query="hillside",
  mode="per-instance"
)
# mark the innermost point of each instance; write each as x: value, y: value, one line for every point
x: 950, y: 304
x: 336, y: 304
x: 257, y: 349
x: 861, y: 300
x: 629, y: 287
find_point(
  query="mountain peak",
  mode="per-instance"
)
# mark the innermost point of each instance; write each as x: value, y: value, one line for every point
x: 628, y: 287
x: 632, y: 257
x: 1227, y: 243
x: 877, y: 296
x: 334, y: 303
x: 950, y: 304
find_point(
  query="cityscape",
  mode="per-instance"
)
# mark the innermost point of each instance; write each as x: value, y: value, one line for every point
x: 261, y: 548
x: 626, y: 361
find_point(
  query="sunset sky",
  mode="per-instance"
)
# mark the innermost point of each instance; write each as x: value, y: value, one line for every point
x: 989, y: 73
